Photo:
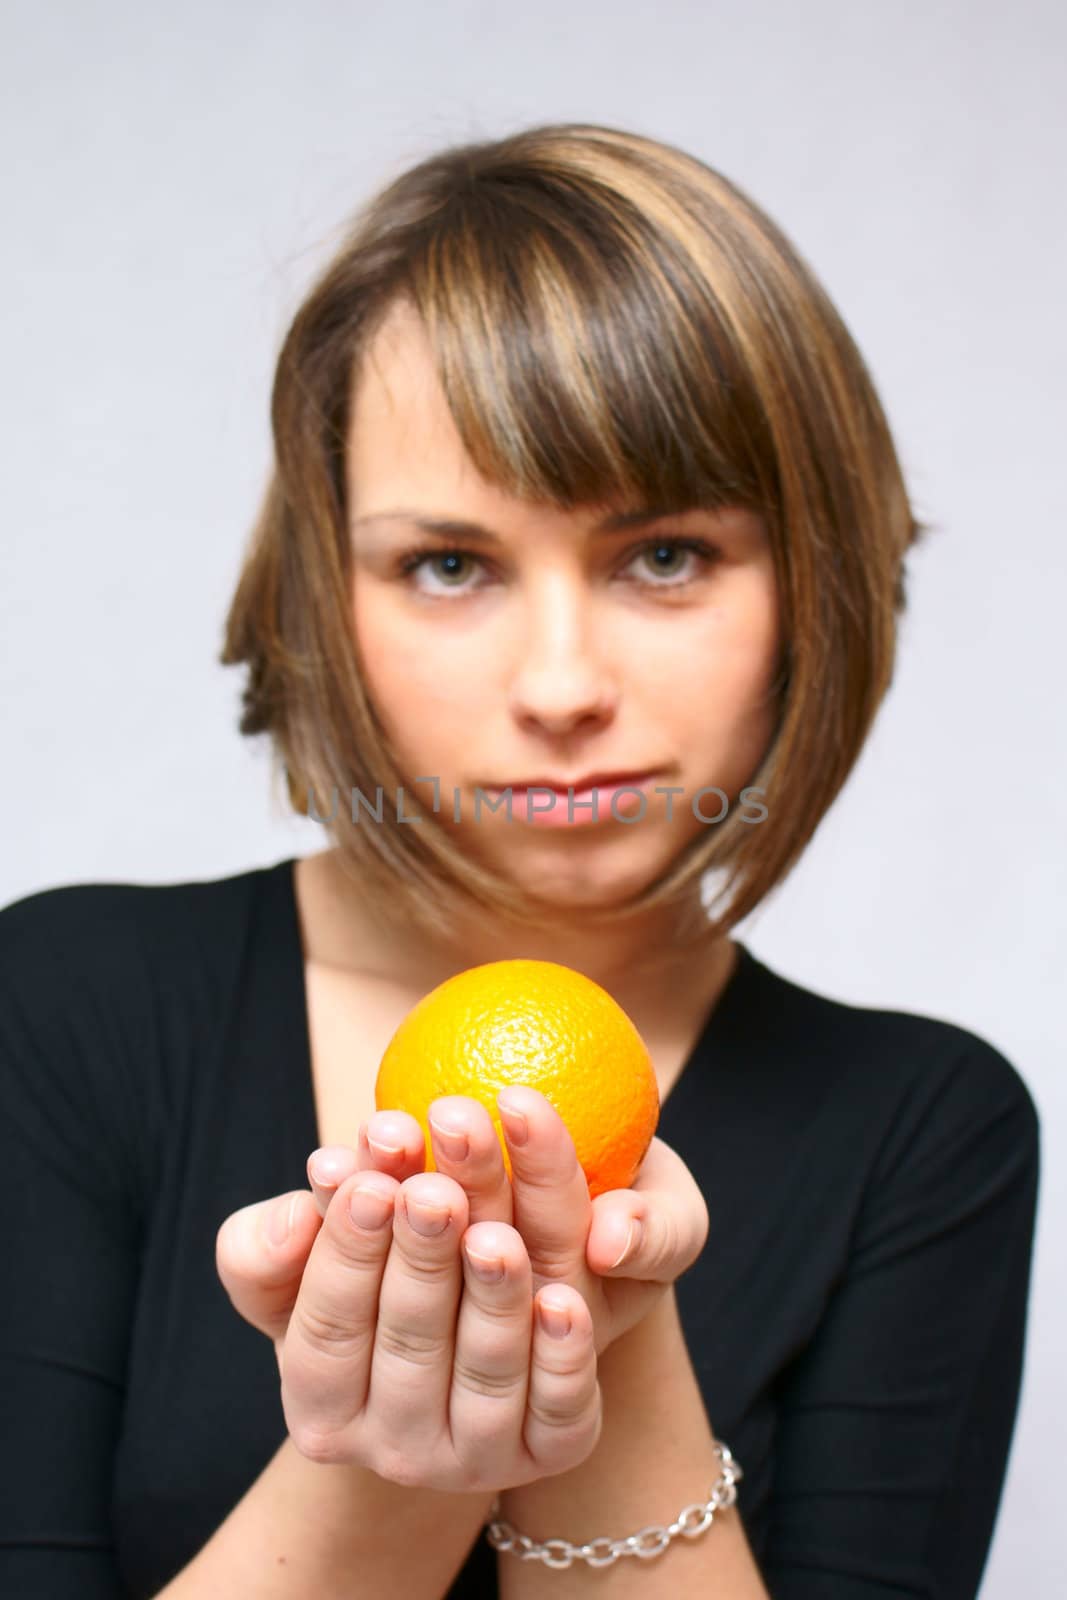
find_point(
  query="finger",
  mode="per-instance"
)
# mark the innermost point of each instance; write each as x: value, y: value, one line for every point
x: 327, y: 1169
x: 260, y: 1254
x: 420, y: 1291
x: 466, y: 1146
x: 491, y: 1363
x: 549, y: 1191
x: 564, y: 1409
x: 509, y: 1378
x: 617, y: 1233
x: 669, y: 1216
x: 330, y: 1338
x: 392, y: 1142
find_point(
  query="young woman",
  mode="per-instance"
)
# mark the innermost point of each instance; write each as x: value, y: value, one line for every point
x: 581, y: 486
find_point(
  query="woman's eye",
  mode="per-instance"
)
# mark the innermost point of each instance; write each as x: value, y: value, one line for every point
x: 449, y: 564
x: 672, y: 549
x: 449, y: 560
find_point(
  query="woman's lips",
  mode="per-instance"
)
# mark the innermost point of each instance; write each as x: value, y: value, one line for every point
x: 552, y: 808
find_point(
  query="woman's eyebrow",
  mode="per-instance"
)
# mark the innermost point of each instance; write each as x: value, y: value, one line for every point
x: 478, y: 533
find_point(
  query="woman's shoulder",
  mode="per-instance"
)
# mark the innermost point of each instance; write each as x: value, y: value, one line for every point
x: 101, y: 969
x: 927, y: 1066
x: 110, y: 995
x: 91, y: 926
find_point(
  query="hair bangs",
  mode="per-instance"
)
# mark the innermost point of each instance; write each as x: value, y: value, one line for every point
x: 583, y: 359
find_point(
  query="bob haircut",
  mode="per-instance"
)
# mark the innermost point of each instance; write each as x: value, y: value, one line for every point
x: 613, y: 322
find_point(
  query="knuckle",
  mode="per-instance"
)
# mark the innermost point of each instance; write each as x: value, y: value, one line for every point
x: 483, y: 1382
x: 665, y: 1245
x: 559, y: 1399
x: 397, y: 1468
x: 557, y: 1406
x: 499, y: 1326
x: 554, y: 1259
x: 587, y: 1437
x: 352, y: 1275
x: 327, y: 1333
x: 432, y: 1273
x: 570, y: 1436
x: 482, y: 1440
x: 563, y: 1385
x: 409, y: 1345
x: 323, y: 1445
x: 547, y: 1179
x: 410, y: 1471
x: 478, y: 1479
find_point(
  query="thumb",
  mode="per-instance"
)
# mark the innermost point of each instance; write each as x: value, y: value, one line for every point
x: 661, y: 1223
x: 260, y: 1255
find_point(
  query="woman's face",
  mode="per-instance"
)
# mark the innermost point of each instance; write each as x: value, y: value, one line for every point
x: 551, y: 649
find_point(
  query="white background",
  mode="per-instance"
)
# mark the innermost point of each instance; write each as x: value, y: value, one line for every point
x: 173, y: 177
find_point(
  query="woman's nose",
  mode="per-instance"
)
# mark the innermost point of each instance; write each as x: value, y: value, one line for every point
x: 563, y: 679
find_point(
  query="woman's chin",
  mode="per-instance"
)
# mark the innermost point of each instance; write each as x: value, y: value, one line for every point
x: 577, y: 879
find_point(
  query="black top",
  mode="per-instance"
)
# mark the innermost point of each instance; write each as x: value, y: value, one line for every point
x: 856, y: 1320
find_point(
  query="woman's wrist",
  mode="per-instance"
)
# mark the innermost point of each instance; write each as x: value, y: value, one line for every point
x: 656, y: 1455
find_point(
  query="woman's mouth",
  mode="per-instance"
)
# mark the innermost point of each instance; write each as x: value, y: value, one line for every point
x: 602, y: 800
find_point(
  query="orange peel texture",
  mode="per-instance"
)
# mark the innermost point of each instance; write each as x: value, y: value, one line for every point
x: 536, y: 1023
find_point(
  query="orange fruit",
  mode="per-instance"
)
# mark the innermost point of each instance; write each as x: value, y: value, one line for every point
x: 536, y: 1023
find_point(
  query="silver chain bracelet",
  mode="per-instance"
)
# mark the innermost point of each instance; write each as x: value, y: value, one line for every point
x: 602, y: 1552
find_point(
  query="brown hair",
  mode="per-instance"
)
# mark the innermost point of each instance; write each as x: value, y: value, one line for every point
x: 613, y: 322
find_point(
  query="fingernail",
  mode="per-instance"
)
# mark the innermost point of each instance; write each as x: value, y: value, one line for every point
x: 631, y: 1243
x: 280, y: 1221
x: 554, y: 1320
x: 514, y: 1121
x: 489, y: 1268
x: 380, y: 1148
x: 456, y: 1146
x: 368, y: 1209
x: 427, y: 1220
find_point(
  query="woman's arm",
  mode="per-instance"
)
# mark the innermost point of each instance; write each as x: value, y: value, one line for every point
x: 336, y: 1532
x: 894, y: 1423
x: 654, y: 1456
x: 68, y: 1297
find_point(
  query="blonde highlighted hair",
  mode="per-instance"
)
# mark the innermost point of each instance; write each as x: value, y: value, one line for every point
x: 613, y: 323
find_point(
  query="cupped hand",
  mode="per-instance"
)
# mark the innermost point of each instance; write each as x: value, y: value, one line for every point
x: 394, y: 1353
x: 569, y: 1238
